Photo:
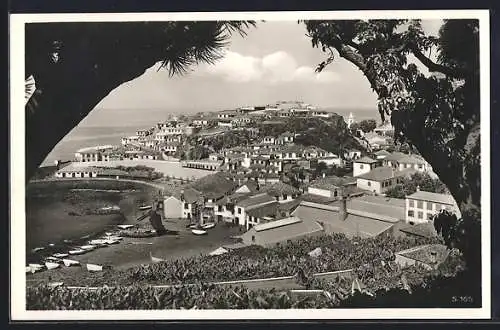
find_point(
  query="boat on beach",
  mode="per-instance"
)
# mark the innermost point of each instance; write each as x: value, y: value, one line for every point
x: 52, y: 259
x: 77, y: 251
x: 88, y: 247
x: 208, y: 225
x: 198, y: 232
x: 98, y: 242
x: 125, y: 226
x: 60, y: 255
x: 52, y: 265
x: 94, y: 268
x: 145, y: 207
x: 69, y: 262
x: 155, y: 259
x: 37, y: 249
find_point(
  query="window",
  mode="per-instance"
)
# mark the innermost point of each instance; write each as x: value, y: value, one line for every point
x: 220, y: 208
x: 420, y: 204
x: 420, y: 167
x: 360, y: 166
x: 429, y: 216
x: 253, y: 239
x: 239, y: 210
x: 411, y: 213
x: 429, y: 205
x: 412, y: 203
x: 186, y: 206
x: 285, y: 196
x: 420, y: 214
x: 369, y: 184
x: 335, y: 193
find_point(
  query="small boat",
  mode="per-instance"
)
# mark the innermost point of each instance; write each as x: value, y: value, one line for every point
x: 108, y: 234
x: 35, y: 266
x: 94, y: 268
x: 60, y: 255
x: 145, y: 207
x: 67, y: 241
x: 198, y: 232
x: 208, y: 226
x: 51, y: 244
x: 77, y: 251
x: 52, y: 265
x: 99, y: 242
x: 69, y: 262
x: 193, y: 226
x: 155, y: 259
x: 112, y: 241
x: 116, y: 238
x: 38, y: 249
x: 88, y: 247
x: 52, y: 259
x: 125, y: 226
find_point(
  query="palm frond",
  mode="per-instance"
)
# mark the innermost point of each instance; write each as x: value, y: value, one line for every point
x: 192, y: 43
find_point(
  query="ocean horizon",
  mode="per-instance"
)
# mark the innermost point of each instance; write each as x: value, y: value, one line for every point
x: 105, y: 126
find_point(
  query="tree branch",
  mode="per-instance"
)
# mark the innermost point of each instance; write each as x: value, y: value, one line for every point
x: 434, y: 67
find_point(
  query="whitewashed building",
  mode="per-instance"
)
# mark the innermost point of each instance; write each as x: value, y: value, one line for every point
x: 421, y: 206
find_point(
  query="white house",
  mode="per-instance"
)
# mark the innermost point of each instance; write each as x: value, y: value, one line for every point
x: 352, y: 154
x: 401, y: 161
x: 269, y: 140
x: 381, y: 179
x: 363, y: 165
x: 173, y: 207
x: 331, y: 161
x: 242, y: 207
x: 422, y: 205
x: 285, y: 138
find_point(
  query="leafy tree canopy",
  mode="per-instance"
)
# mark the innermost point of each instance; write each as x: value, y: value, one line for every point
x: 438, y: 114
x: 421, y: 180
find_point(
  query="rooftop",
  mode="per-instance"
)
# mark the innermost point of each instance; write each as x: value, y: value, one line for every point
x: 432, y: 197
x: 425, y: 229
x: 332, y: 182
x: 279, y: 188
x: 256, y: 200
x: 276, y: 224
x: 365, y: 160
x: 383, y: 173
x: 264, y: 210
x: 424, y: 253
x: 405, y: 158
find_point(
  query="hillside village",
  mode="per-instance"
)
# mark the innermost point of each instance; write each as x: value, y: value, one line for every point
x: 274, y: 188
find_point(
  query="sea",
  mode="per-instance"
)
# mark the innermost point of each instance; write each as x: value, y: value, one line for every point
x: 108, y: 126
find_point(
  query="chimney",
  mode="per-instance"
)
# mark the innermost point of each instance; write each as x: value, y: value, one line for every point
x: 343, y: 206
x: 182, y: 195
x: 418, y: 188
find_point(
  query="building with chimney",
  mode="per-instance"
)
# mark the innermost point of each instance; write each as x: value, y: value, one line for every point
x: 366, y: 216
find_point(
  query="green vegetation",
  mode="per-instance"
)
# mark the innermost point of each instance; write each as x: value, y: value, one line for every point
x: 371, y: 259
x: 367, y: 125
x: 421, y: 180
x: 438, y: 114
x: 331, y: 135
x: 141, y: 172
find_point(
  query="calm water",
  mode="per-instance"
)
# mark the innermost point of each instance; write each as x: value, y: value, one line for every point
x: 108, y: 126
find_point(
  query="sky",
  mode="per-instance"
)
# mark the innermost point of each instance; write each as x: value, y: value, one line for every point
x: 275, y: 61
